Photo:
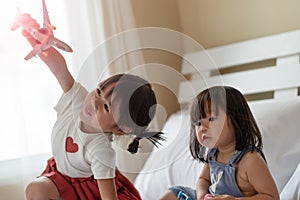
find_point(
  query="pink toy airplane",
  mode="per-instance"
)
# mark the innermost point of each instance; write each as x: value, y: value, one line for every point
x: 43, y: 35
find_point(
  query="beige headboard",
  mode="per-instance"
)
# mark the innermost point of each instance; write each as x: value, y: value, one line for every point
x: 262, y: 68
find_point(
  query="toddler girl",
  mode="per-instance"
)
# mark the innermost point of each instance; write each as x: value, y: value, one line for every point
x: 225, y: 136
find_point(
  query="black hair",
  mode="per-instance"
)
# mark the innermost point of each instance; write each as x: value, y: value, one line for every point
x: 237, y: 109
x: 136, y: 102
x: 154, y: 139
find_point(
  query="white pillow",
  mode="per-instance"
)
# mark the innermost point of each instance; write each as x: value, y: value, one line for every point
x: 279, y: 122
x: 172, y: 164
x: 292, y: 189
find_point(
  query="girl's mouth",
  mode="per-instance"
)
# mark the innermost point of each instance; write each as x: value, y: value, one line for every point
x: 205, y: 137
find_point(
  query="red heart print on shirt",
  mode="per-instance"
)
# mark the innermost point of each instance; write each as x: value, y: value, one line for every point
x: 71, y: 146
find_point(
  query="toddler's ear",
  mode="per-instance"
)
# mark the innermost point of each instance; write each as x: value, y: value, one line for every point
x: 126, y: 129
x: 122, y: 130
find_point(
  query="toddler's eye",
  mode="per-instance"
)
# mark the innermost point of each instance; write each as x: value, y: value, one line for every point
x: 211, y: 119
x: 98, y: 91
x: 106, y: 107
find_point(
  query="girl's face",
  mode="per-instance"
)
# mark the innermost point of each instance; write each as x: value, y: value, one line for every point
x: 215, y: 131
x: 97, y: 114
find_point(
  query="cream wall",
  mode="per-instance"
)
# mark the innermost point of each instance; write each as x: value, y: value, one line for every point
x: 216, y: 22
x: 160, y: 13
x: 212, y: 23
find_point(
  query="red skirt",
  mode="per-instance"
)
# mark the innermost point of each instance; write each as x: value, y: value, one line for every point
x: 87, y: 188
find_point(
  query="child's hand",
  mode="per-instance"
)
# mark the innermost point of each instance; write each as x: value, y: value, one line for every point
x: 51, y: 56
x: 206, y: 197
x: 26, y: 18
x: 218, y: 197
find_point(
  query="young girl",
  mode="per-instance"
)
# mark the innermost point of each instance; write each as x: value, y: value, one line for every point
x: 225, y: 136
x: 83, y: 162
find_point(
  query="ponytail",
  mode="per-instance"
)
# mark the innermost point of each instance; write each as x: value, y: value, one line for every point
x: 153, y: 137
x: 134, y: 145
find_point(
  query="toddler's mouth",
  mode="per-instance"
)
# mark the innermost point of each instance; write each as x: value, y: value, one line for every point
x: 205, y: 137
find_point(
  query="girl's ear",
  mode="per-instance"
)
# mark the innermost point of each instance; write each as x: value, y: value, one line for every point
x: 122, y: 130
x: 126, y: 129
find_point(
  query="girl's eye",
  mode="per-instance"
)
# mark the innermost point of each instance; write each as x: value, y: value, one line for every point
x: 106, y: 107
x: 98, y: 91
x: 211, y: 119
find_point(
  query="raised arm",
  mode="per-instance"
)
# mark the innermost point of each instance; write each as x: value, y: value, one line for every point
x: 53, y: 59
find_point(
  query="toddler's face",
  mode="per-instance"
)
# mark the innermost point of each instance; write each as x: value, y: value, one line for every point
x: 97, y: 113
x: 215, y: 130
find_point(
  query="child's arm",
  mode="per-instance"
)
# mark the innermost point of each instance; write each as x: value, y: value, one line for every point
x: 203, y: 183
x: 54, y: 60
x: 107, y: 189
x: 259, y: 177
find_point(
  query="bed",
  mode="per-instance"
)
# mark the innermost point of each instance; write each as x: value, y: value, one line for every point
x: 267, y: 71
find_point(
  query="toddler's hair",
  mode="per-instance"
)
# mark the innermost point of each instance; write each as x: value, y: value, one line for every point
x: 237, y: 109
x: 136, y: 106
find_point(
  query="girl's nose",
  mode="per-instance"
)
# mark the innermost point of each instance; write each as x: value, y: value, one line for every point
x: 203, y: 129
x: 204, y: 126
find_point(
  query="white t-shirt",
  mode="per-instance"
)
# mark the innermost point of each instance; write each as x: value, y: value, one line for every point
x: 79, y: 154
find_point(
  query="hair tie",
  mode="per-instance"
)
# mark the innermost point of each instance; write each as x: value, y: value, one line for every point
x: 153, y: 137
x: 134, y: 145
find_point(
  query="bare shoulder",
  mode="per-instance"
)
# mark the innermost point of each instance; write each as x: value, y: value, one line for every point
x: 253, y: 157
x: 253, y: 166
x: 253, y: 163
x: 254, y: 175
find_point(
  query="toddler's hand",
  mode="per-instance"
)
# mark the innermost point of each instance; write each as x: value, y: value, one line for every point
x: 27, y: 19
x: 219, y: 197
x: 51, y: 57
x: 206, y: 197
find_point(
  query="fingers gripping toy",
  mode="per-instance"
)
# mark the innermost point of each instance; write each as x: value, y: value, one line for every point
x: 207, y: 195
x: 44, y: 36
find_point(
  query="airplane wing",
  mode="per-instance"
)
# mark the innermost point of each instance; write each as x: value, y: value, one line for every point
x: 35, y: 51
x: 61, y: 45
